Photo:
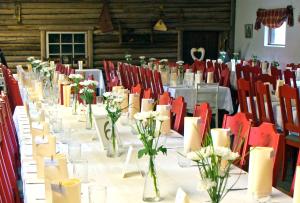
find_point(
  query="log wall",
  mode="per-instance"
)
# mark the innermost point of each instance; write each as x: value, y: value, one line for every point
x: 22, y: 39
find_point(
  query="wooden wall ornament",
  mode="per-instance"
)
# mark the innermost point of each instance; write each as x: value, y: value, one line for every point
x: 201, y: 50
x: 105, y: 19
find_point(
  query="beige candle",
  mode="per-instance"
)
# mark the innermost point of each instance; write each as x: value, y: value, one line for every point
x: 164, y: 110
x: 134, y: 104
x: 67, y: 95
x: 198, y: 78
x: 117, y: 88
x: 66, y: 191
x: 173, y: 79
x: 45, y: 146
x: 210, y: 77
x: 260, y: 171
x: 296, y: 198
x: 147, y: 105
x: 192, y: 139
x: 279, y: 83
x: 55, y: 169
x: 124, y: 103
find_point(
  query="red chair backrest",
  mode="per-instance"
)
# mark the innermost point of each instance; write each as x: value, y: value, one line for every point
x: 239, y: 126
x: 150, y: 81
x: 225, y: 78
x: 251, y: 72
x: 136, y: 75
x: 263, y: 99
x: 288, y: 94
x: 239, y: 71
x: 245, y: 94
x: 136, y: 89
x: 178, y: 112
x: 123, y: 75
x: 288, y: 76
x: 143, y: 77
x: 265, y: 78
x: 205, y: 113
x: 158, y: 83
x: 199, y: 66
x: 277, y: 73
x: 147, y: 94
x: 165, y: 99
x: 266, y: 135
x: 6, y: 192
x: 293, y: 183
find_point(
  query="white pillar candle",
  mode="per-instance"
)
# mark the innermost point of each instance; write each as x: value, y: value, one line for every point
x: 134, y: 105
x: 192, y: 139
x: 164, y: 110
x: 296, y: 198
x: 147, y: 105
x: 279, y: 83
x: 210, y: 77
x: 260, y: 171
x: 80, y: 65
x: 66, y: 191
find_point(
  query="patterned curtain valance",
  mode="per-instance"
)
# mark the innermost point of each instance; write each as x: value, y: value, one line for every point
x: 274, y: 18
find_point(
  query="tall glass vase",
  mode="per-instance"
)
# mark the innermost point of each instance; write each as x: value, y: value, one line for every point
x: 151, y: 187
x: 89, y: 117
x: 75, y: 104
x: 114, y: 146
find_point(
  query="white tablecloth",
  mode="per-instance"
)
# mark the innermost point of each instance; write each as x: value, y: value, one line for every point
x: 107, y: 171
x: 190, y: 97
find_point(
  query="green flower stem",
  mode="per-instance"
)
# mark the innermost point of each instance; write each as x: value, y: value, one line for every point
x: 153, y: 174
x: 113, y: 137
x: 90, y: 115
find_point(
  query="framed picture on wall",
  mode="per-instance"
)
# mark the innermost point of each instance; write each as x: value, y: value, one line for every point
x: 248, y: 30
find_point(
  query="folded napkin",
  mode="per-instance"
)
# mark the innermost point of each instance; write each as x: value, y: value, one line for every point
x: 173, y: 79
x: 55, y: 169
x: 210, y: 77
x: 164, y: 110
x: 134, y: 104
x: 260, y: 171
x: 66, y: 191
x: 181, y: 196
x: 67, y: 95
x: 296, y: 198
x: 264, y: 67
x: 279, y: 83
x: 147, y: 105
x: 192, y: 138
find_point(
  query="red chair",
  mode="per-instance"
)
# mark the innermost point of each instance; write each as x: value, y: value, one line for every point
x: 14, y: 93
x: 239, y: 71
x: 6, y: 192
x: 143, y: 77
x: 205, y: 113
x: 137, y: 89
x: 288, y: 76
x: 199, y: 66
x: 136, y: 75
x: 165, y: 99
x: 263, y: 100
x: 251, y: 72
x: 266, y: 135
x: 158, y: 83
x: 293, y: 183
x: 225, y: 78
x: 147, y: 94
x: 275, y: 72
x: 290, y: 123
x: 123, y: 76
x: 150, y: 81
x: 265, y: 78
x: 240, y: 128
x: 245, y: 93
x: 178, y: 112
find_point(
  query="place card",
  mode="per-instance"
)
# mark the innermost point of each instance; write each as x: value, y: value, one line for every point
x: 131, y: 167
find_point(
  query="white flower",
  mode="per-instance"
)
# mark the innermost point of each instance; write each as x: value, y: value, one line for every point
x: 152, y: 59
x: 128, y: 56
x: 90, y: 90
x: 107, y: 94
x: 81, y: 91
x: 180, y: 62
x: 36, y: 61
x: 75, y: 76
x: 142, y: 57
x: 73, y: 85
x: 232, y: 156
x: 163, y: 61
x: 221, y: 151
x: 139, y: 116
x: 31, y: 58
x: 193, y: 156
x: 112, y: 110
x: 206, y: 184
x: 118, y: 99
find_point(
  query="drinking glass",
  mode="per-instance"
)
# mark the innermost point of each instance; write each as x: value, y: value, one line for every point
x: 80, y: 170
x: 97, y: 194
x: 74, y: 151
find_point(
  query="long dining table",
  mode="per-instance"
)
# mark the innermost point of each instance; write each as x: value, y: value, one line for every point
x: 108, y: 172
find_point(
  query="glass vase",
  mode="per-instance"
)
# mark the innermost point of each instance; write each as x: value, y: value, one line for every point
x: 114, y: 144
x: 151, y: 187
x: 75, y: 104
x: 89, y: 117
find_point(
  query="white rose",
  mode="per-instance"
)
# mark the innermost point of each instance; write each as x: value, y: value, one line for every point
x: 206, y: 184
x: 142, y: 57
x: 180, y: 62
x: 162, y: 118
x: 107, y: 94
x: 139, y: 116
x: 193, y: 156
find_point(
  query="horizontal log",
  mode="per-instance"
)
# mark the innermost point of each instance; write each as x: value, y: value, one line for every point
x: 31, y: 11
x: 60, y: 17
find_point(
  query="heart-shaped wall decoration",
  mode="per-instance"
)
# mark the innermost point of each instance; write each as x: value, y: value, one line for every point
x: 200, y: 50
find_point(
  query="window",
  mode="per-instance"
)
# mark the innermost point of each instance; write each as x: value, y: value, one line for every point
x: 69, y: 47
x: 275, y: 36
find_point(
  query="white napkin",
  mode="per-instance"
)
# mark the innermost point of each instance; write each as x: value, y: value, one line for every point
x: 260, y: 171
x: 192, y: 139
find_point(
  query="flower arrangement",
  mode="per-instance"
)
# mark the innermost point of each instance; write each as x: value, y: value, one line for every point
x: 76, y: 79
x: 142, y: 60
x: 236, y: 56
x: 180, y: 66
x: 163, y: 64
x: 128, y: 58
x: 87, y: 94
x: 112, y: 106
x: 213, y: 172
x: 149, y: 135
x: 254, y: 59
x: 47, y: 71
x: 275, y: 63
x: 151, y: 63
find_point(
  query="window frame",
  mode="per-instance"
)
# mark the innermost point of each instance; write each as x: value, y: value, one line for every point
x: 71, y: 43
x: 268, y: 37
